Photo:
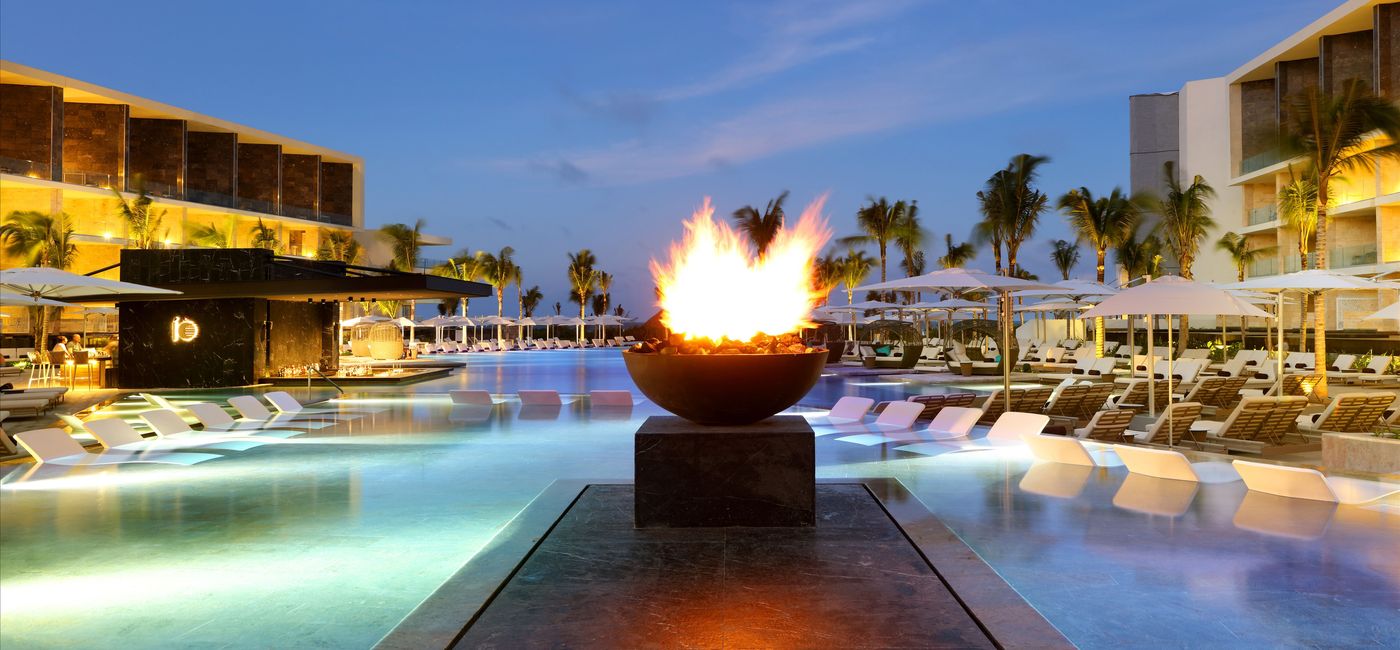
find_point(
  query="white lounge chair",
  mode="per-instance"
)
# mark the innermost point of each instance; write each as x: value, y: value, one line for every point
x: 610, y: 399
x: 1168, y: 464
x: 1005, y: 432
x: 472, y: 397
x: 1304, y: 483
x: 252, y: 409
x: 168, y: 425
x: 118, y: 435
x: 56, y: 447
x: 540, y: 398
x: 899, y: 415
x: 850, y: 409
x: 1374, y: 371
x: 214, y: 418
x: 285, y: 403
x: 953, y: 422
x: 1058, y: 449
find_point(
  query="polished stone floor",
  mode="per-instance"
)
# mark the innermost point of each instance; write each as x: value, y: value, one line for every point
x: 852, y: 581
x: 330, y: 539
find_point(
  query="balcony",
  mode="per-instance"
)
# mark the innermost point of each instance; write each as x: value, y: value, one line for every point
x: 1341, y: 257
x: 1259, y: 268
x: 1263, y: 214
x: 1261, y: 160
x: 19, y: 167
x: 90, y: 179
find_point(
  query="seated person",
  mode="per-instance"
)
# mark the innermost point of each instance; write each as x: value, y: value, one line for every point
x: 61, y: 345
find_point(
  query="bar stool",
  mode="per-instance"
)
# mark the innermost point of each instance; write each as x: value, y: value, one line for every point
x: 81, y: 360
x: 58, y: 361
x: 39, y: 371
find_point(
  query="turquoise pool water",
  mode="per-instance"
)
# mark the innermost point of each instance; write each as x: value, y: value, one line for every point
x: 329, y: 539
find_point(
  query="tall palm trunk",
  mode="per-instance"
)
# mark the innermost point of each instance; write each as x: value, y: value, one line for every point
x: 1098, y: 320
x: 500, y: 306
x: 884, y: 255
x: 1320, y: 306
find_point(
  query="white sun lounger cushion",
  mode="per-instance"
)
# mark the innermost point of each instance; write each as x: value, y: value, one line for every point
x: 1168, y: 464
x: 1305, y: 483
x: 1010, y: 425
x: 899, y: 415
x: 609, y: 398
x: 540, y: 398
x: 1058, y: 449
x: 953, y: 422
x: 851, y: 408
x: 473, y: 397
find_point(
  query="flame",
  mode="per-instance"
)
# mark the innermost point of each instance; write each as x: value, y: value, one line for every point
x: 715, y: 288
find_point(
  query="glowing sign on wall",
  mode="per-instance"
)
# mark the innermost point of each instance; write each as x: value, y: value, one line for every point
x: 183, y: 330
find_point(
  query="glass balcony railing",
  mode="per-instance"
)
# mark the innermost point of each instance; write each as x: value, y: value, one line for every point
x: 1263, y: 214
x: 19, y: 167
x: 209, y: 198
x: 90, y: 179
x: 1263, y: 267
x: 1341, y: 257
x: 162, y: 190
x: 1293, y: 263
x: 1260, y: 160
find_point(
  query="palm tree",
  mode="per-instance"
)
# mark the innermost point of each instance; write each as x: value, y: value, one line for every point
x: 826, y: 274
x: 605, y: 281
x: 1335, y: 132
x: 465, y: 265
x: 761, y: 227
x: 960, y: 254
x: 499, y: 271
x: 265, y: 237
x: 991, y: 229
x: 854, y: 267
x: 405, y: 242
x: 1237, y: 247
x: 1185, y: 222
x: 142, y: 223
x: 339, y: 246
x: 881, y: 223
x: 1139, y: 257
x: 1065, y: 256
x: 208, y: 236
x: 1011, y: 208
x: 1297, y: 207
x: 531, y: 300
x: 583, y: 278
x: 1103, y: 223
x: 39, y: 240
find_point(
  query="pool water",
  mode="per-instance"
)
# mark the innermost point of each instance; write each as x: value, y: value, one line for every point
x: 329, y: 539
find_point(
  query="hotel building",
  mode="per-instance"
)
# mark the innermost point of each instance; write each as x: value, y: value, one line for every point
x: 1226, y: 129
x: 66, y: 144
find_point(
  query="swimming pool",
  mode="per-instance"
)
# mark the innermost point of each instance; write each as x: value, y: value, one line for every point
x: 329, y: 540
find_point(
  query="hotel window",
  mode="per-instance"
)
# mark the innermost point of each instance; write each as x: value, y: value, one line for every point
x: 294, y: 242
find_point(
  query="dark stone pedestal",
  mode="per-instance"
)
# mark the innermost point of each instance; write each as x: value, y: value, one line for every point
x: 691, y: 475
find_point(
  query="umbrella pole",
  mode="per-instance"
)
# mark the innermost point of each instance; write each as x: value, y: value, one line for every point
x: 1005, y: 348
x: 1151, y: 376
x: 1169, y: 373
x: 1278, y: 347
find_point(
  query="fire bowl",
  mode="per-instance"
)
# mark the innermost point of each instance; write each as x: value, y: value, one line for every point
x: 725, y: 389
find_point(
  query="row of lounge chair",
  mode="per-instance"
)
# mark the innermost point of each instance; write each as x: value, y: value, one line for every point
x: 219, y: 431
x: 508, y: 345
x: 30, y: 402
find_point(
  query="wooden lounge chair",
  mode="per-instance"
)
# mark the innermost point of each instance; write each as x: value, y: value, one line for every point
x: 1031, y: 400
x: 1069, y: 402
x: 56, y: 447
x: 1109, y: 426
x: 1172, y: 426
x: 1173, y: 465
x: 1304, y: 483
x: 1256, y: 423
x: 1350, y: 413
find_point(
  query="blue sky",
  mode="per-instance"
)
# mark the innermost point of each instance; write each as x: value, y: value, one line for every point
x: 555, y: 126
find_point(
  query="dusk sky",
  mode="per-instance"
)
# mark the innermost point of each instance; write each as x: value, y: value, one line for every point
x: 552, y: 127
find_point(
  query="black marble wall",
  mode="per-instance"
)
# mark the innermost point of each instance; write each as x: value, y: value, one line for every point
x: 297, y: 332
x: 226, y: 352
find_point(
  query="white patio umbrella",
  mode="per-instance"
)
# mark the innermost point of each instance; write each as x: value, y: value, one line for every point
x: 363, y: 320
x: 958, y: 280
x: 1311, y: 280
x: 1392, y: 313
x: 523, y: 323
x: 39, y: 282
x: 1078, y: 291
x: 498, y: 321
x: 1169, y: 296
x: 15, y: 300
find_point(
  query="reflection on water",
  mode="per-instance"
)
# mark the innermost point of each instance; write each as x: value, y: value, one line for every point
x: 331, y: 538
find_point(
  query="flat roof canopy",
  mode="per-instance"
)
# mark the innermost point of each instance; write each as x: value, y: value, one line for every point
x: 406, y: 286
